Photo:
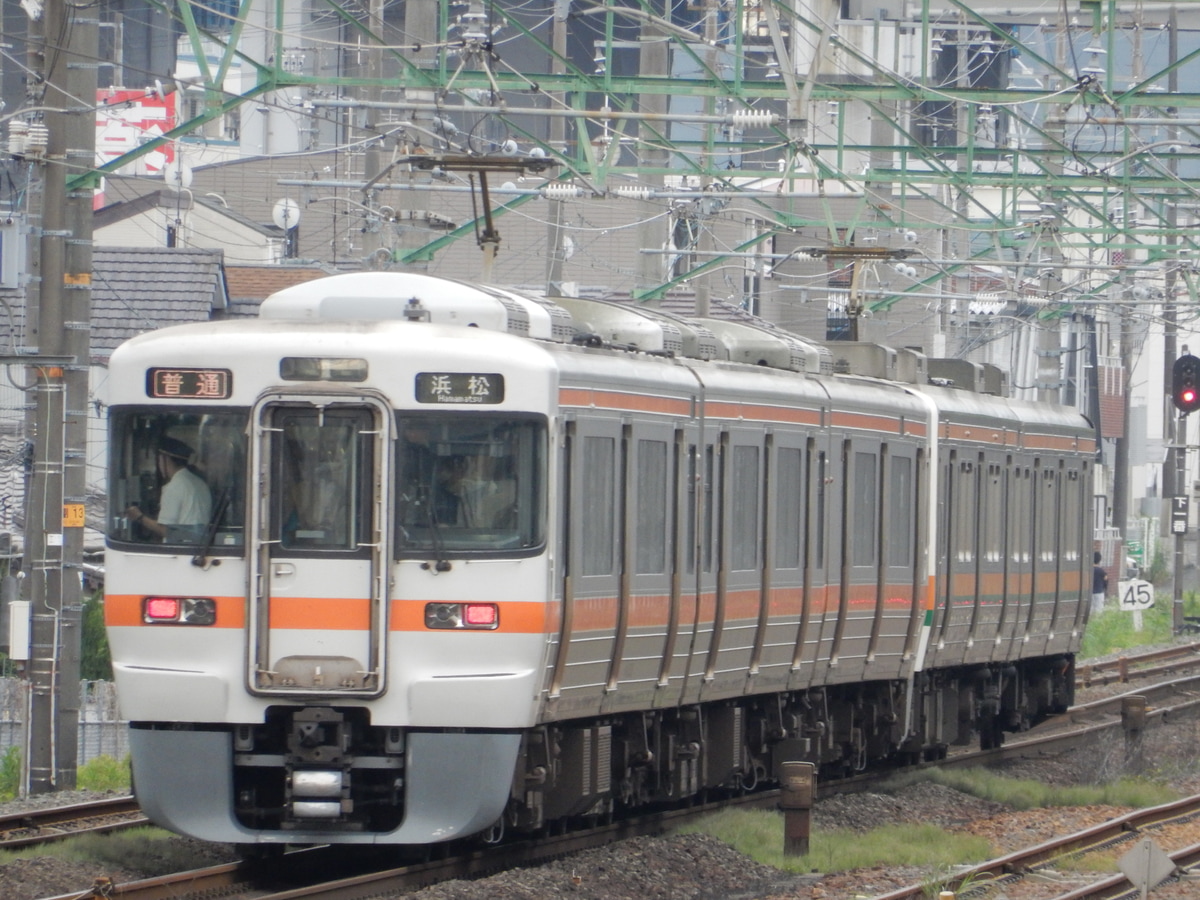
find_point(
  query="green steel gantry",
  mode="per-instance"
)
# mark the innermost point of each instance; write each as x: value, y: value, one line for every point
x: 1077, y: 131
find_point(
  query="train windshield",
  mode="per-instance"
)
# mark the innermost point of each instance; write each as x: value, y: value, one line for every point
x: 177, y: 478
x: 469, y: 484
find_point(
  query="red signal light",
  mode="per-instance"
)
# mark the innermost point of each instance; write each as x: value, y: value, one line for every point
x: 1185, y: 384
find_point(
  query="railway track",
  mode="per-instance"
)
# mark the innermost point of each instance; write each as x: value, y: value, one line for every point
x: 41, y: 826
x: 1150, y: 664
x: 1085, y: 722
x: 284, y: 878
x: 1119, y: 834
x: 288, y: 879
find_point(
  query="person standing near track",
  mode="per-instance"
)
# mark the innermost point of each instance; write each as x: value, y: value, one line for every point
x: 1099, y: 585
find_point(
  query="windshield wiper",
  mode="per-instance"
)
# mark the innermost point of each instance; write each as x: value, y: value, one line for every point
x: 436, y: 538
x: 210, y: 533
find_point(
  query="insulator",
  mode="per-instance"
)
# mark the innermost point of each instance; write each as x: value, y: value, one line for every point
x: 752, y: 118
x: 18, y: 131
x: 560, y: 191
x: 37, y: 140
x: 633, y: 192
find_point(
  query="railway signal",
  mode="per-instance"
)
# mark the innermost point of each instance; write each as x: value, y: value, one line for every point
x: 1185, y: 384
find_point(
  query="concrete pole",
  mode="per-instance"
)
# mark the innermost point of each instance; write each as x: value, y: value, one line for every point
x: 42, y: 562
x: 374, y: 243
x: 653, y: 61
x: 704, y: 217
x: 76, y: 343
x: 421, y: 24
x: 555, y: 232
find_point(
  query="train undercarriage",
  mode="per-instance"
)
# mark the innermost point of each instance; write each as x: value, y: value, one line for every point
x: 326, y: 770
x: 602, y: 766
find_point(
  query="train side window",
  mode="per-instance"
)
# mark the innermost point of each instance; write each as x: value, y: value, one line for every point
x: 743, y: 503
x: 789, y: 500
x: 597, y: 481
x: 865, y: 508
x: 902, y: 503
x: 651, y: 503
x: 1048, y: 515
x: 965, y: 511
x: 1072, y: 518
x: 1020, y: 537
x: 993, y: 514
x: 709, y: 509
x: 692, y: 500
x: 822, y: 507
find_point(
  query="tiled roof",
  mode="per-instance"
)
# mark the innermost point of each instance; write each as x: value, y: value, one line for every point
x: 139, y: 289
x: 250, y: 285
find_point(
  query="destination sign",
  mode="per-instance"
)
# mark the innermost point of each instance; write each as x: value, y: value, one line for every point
x: 460, y: 387
x: 192, y: 384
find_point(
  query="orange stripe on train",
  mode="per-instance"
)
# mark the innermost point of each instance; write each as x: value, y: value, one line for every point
x: 126, y: 609
x: 590, y: 614
x: 616, y: 400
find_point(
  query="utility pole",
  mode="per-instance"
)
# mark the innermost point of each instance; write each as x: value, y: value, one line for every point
x: 58, y: 319
x: 653, y: 61
x: 705, y: 210
x: 1178, y: 480
x: 555, y: 232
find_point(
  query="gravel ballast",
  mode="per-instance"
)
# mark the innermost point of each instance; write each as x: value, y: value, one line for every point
x: 698, y: 867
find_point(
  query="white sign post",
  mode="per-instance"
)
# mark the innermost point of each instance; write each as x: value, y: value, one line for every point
x: 1135, y: 596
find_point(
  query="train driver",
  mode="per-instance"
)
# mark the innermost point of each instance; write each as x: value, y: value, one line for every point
x: 186, y: 504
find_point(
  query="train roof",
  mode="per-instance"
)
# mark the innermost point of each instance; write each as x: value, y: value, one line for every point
x: 378, y: 303
x: 416, y: 296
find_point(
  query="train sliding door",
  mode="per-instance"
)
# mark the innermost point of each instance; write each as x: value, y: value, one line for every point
x: 320, y: 543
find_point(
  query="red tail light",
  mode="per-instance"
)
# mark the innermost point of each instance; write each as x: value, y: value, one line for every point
x: 179, y: 611
x: 162, y: 608
x: 481, y: 615
x: 462, y: 615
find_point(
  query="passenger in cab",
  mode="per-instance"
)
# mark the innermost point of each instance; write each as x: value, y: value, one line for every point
x: 186, y: 504
x: 469, y: 495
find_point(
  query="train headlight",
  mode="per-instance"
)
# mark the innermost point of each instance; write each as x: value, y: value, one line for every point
x: 485, y: 616
x: 179, y: 611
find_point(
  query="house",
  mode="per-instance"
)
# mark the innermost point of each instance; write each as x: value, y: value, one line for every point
x: 169, y: 218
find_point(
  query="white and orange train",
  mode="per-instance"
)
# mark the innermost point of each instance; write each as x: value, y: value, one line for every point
x: 464, y: 561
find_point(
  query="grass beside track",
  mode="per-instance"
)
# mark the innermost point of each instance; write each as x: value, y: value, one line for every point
x: 148, y: 851
x: 758, y: 834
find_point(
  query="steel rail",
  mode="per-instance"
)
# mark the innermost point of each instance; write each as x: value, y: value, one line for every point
x: 1122, y: 828
x: 1056, y: 735
x: 41, y: 826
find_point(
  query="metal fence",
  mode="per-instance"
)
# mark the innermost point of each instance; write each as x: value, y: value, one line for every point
x: 102, y: 731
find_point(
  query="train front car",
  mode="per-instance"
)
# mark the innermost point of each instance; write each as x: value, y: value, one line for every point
x: 326, y: 575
